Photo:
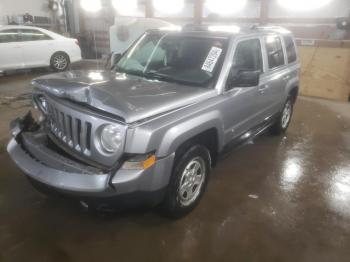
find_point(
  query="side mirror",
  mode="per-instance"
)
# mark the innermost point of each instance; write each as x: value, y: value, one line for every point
x: 241, y: 78
x: 115, y: 58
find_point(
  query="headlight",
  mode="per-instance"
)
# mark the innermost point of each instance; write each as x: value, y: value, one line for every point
x: 111, y: 138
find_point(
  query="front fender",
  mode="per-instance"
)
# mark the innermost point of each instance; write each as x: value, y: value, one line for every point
x: 182, y: 132
x: 166, y: 135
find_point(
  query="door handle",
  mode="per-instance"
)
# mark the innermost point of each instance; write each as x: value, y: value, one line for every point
x: 263, y: 88
x: 16, y: 47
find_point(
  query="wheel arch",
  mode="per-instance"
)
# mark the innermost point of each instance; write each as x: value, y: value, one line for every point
x: 294, y: 92
x: 205, y: 130
x: 207, y: 138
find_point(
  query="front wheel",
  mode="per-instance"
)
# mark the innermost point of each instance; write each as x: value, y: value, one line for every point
x: 284, y: 118
x: 59, y: 61
x: 188, y: 181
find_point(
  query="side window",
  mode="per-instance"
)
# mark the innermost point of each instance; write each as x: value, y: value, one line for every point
x: 33, y: 35
x: 8, y: 36
x: 290, y: 48
x: 248, y: 56
x: 274, y: 51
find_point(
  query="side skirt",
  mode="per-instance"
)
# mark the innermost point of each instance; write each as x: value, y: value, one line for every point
x: 247, y: 136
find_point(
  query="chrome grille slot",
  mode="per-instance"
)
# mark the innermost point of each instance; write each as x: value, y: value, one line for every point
x: 72, y: 131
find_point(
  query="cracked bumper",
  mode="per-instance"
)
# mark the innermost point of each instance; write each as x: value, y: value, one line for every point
x: 44, y: 166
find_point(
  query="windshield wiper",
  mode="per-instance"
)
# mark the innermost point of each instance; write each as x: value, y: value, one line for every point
x: 129, y: 72
x: 157, y: 76
x: 166, y: 78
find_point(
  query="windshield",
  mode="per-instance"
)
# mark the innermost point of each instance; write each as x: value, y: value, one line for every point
x: 175, y: 58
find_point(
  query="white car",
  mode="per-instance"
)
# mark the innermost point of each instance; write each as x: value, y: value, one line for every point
x: 31, y: 47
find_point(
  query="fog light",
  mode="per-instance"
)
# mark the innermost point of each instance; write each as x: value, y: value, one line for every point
x: 141, y: 162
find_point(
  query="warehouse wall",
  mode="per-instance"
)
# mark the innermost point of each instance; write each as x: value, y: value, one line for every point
x: 18, y: 7
x: 337, y: 8
x: 12, y: 7
x: 251, y: 10
x: 325, y: 72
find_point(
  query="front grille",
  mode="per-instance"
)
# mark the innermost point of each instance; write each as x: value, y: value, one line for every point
x: 74, y: 132
x: 76, y: 129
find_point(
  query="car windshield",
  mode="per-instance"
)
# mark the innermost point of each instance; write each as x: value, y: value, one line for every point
x: 175, y: 58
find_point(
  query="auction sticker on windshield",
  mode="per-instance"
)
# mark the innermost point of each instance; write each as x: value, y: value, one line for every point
x: 212, y: 59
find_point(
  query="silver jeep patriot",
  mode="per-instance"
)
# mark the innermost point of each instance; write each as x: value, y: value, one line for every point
x: 149, y: 130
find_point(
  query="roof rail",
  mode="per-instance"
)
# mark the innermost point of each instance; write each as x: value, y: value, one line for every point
x: 272, y: 28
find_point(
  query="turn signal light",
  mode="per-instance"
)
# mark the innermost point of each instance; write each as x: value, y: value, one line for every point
x: 140, y: 162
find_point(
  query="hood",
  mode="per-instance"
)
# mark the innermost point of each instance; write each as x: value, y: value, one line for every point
x: 130, y: 97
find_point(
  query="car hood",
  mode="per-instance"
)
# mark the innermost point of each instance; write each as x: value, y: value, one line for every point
x: 130, y: 97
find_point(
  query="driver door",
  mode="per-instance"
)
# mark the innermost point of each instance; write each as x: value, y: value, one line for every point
x: 241, y: 108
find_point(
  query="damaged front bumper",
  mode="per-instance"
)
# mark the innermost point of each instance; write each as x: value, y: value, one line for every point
x: 28, y: 149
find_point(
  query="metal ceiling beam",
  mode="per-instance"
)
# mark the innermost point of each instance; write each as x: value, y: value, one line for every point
x: 198, y: 11
x: 149, y: 10
x: 264, y: 12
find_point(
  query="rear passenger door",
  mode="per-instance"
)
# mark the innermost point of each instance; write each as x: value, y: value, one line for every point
x: 10, y: 52
x: 272, y: 91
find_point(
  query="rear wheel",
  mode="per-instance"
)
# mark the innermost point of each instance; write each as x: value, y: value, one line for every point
x: 59, y: 61
x: 188, y: 181
x: 284, y: 118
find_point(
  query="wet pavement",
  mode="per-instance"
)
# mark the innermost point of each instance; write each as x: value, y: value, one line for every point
x: 275, y: 199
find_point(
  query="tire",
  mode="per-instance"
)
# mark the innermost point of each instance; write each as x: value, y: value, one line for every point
x: 282, y: 123
x: 181, y: 199
x: 59, y: 61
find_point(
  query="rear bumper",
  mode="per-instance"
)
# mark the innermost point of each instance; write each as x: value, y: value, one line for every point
x: 51, y: 169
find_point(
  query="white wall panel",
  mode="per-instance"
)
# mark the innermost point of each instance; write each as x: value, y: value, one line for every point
x: 336, y: 8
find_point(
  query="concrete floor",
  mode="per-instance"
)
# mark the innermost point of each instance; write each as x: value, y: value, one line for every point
x: 275, y: 199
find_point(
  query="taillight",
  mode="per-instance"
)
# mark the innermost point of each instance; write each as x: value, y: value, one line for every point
x: 77, y: 42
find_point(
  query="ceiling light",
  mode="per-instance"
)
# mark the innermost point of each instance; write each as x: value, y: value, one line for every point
x: 302, y: 5
x: 225, y: 7
x: 168, y: 6
x: 91, y: 5
x: 125, y: 7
